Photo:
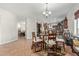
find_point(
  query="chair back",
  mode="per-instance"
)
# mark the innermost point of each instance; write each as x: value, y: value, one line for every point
x: 52, y: 35
x: 33, y: 36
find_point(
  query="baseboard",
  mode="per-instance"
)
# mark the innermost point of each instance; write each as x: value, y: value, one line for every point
x: 9, y: 41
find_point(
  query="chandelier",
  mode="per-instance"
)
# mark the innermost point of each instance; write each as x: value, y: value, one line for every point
x: 46, y: 13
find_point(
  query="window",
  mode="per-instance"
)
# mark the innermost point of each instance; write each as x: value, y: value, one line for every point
x: 76, y: 26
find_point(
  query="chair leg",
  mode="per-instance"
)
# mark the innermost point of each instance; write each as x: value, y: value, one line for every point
x: 45, y: 47
x: 34, y: 48
x: 31, y: 47
x: 64, y: 46
x: 41, y: 46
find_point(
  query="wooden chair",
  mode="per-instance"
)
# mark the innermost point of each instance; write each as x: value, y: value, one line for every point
x: 51, y: 45
x: 36, y: 43
x: 60, y: 47
x: 60, y: 42
x: 52, y: 35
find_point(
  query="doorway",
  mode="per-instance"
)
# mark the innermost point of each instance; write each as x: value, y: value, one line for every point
x: 21, y: 30
x: 38, y: 29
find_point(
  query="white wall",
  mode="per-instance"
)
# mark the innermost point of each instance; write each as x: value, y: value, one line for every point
x: 31, y: 24
x: 8, y: 27
x: 71, y: 18
x: 30, y: 27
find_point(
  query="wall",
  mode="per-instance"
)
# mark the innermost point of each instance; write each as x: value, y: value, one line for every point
x: 71, y: 18
x: 31, y: 24
x: 30, y: 27
x: 8, y: 27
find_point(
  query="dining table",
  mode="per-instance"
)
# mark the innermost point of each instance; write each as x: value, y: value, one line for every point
x: 57, y: 40
x: 43, y: 35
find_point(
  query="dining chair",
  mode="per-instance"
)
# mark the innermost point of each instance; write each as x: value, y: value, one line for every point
x: 60, y: 42
x: 37, y: 43
x: 51, y: 42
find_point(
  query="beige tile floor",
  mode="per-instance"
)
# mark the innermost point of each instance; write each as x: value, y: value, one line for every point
x: 22, y: 47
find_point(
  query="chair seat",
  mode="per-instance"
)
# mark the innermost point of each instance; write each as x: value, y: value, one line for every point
x: 50, y: 42
x: 38, y: 40
x: 61, y: 40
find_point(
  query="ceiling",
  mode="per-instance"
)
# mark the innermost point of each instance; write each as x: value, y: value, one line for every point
x: 21, y: 10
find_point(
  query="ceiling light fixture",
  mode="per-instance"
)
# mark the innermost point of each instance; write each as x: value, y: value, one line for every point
x: 46, y: 13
